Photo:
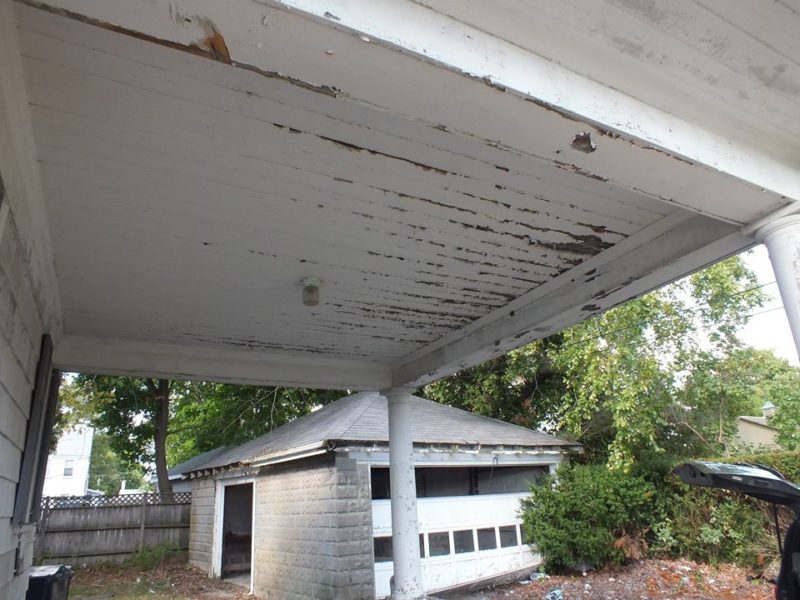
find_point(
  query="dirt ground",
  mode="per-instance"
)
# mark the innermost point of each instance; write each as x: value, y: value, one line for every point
x: 645, y: 580
x: 172, y: 581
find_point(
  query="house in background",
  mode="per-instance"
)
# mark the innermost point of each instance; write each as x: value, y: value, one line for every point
x: 68, y: 467
x: 756, y: 432
x: 314, y: 497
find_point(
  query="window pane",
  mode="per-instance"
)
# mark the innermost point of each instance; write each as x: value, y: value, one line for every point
x: 508, y: 536
x: 68, y: 466
x: 422, y: 545
x: 380, y: 483
x: 439, y: 543
x: 463, y: 541
x: 486, y: 539
x: 383, y: 549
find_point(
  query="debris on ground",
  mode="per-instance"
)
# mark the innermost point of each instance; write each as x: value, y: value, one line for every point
x: 174, y: 581
x: 644, y: 580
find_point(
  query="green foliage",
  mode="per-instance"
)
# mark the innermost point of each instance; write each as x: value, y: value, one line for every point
x: 578, y: 519
x: 107, y: 470
x: 121, y: 407
x: 710, y: 526
x: 719, y: 389
x: 213, y: 415
x: 592, y: 514
x: 201, y: 416
x: 148, y: 559
x: 520, y: 387
x: 617, y: 382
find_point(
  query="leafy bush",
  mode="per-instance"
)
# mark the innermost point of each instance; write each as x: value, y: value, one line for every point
x: 711, y: 526
x: 596, y: 516
x: 588, y: 516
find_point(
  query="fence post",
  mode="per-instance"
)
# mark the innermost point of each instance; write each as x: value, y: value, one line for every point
x: 42, y: 533
x: 142, y: 521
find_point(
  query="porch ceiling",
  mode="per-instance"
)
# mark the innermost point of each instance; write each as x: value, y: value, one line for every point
x: 197, y: 164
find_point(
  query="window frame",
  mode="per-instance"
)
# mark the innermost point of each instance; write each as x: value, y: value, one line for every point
x: 44, y: 401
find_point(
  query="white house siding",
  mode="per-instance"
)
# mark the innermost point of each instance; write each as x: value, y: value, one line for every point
x: 201, y: 524
x: 27, y: 296
x: 313, y: 532
x: 74, y: 445
x: 20, y: 326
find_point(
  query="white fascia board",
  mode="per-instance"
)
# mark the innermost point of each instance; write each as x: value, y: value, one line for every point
x: 441, y: 39
x: 675, y: 246
x: 459, y: 458
x: 299, y: 453
x: 154, y: 359
x: 643, y: 148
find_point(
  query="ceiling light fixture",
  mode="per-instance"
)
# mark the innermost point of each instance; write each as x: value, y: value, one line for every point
x: 311, y: 291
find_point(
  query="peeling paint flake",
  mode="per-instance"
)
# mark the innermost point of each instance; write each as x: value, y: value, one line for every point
x: 582, y: 142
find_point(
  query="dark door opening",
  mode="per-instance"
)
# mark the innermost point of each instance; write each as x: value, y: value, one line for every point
x: 237, y: 529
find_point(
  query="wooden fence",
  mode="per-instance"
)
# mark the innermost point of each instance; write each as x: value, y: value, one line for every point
x: 92, y: 529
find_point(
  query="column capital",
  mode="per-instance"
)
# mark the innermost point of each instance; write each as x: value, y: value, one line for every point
x: 397, y: 391
x: 766, y: 230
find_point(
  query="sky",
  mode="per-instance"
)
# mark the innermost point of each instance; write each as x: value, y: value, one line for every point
x: 768, y: 328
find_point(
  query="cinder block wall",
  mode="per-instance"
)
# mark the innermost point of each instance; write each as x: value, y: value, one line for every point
x: 314, y: 531
x: 28, y: 295
x: 201, y: 523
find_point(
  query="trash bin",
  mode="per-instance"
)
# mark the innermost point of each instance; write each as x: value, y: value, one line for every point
x: 49, y: 582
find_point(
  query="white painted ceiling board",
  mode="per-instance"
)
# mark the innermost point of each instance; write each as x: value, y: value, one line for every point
x: 202, y: 160
x: 189, y: 197
x: 736, y: 60
x: 355, y: 66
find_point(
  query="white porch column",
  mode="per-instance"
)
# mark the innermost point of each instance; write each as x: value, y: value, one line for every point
x: 402, y: 483
x: 782, y: 238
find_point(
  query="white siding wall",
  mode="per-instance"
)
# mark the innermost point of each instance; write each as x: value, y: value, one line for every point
x: 74, y: 445
x: 28, y: 299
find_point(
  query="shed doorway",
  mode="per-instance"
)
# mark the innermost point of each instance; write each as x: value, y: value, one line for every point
x: 237, y: 533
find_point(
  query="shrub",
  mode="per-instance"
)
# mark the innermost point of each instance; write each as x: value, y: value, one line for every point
x: 148, y: 559
x: 590, y: 516
x: 596, y: 516
x: 711, y: 526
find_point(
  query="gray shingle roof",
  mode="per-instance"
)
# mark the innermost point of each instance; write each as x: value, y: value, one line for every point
x: 363, y: 418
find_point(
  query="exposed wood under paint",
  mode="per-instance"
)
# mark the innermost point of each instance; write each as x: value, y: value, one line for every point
x: 443, y: 234
x: 193, y: 195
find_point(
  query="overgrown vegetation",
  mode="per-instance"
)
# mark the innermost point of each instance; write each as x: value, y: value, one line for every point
x: 593, y: 515
x: 578, y: 522
x: 148, y: 559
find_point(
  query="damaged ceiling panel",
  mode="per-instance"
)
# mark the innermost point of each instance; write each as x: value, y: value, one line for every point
x: 191, y: 189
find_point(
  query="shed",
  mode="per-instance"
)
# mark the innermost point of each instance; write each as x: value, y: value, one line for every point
x: 314, y: 496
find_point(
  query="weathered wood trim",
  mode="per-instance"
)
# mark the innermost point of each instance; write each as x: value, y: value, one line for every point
x: 47, y: 432
x: 25, y: 511
x: 20, y: 183
x: 640, y: 264
x: 563, y: 102
x: 94, y: 355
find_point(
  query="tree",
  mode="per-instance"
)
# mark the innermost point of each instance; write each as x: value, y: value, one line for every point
x: 161, y: 422
x: 214, y: 415
x: 610, y: 380
x: 720, y: 389
x: 134, y: 412
x: 107, y: 471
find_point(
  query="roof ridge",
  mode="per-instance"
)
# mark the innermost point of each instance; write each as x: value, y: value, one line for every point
x: 369, y: 405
